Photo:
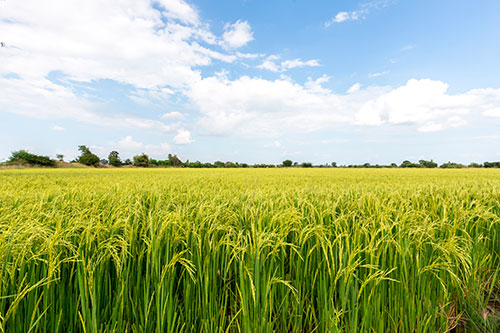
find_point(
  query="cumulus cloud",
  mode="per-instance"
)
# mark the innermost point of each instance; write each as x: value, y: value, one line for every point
x: 150, y: 52
x: 493, y: 112
x: 270, y: 64
x: 147, y: 59
x: 254, y: 107
x: 129, y: 143
x: 237, y: 34
x: 160, y: 59
x: 180, y: 10
x: 183, y: 137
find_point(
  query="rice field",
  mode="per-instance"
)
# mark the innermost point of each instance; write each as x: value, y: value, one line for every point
x: 245, y: 250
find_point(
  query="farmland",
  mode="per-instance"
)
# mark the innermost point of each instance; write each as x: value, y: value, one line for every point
x: 246, y: 250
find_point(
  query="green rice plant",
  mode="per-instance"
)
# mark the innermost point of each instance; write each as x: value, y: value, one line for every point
x: 246, y: 250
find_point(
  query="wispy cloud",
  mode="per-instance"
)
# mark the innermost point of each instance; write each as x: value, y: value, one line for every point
x: 270, y: 64
x: 408, y: 47
x: 372, y: 75
x: 357, y: 14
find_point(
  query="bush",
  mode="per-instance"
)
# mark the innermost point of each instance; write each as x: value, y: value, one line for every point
x: 23, y: 157
x: 491, y: 164
x: 452, y: 165
x: 141, y: 160
x: 287, y: 163
x: 87, y: 157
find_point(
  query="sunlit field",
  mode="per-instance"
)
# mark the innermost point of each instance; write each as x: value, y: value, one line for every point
x: 249, y: 250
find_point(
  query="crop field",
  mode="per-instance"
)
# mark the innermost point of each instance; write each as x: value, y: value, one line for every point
x: 249, y: 250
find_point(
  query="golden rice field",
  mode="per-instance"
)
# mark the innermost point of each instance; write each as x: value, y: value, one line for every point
x: 249, y: 250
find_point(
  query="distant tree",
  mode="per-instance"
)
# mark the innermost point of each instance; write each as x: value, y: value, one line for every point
x: 491, y: 164
x: 287, y: 163
x: 141, y: 160
x: 114, y: 159
x: 452, y: 165
x: 174, y: 160
x: 23, y: 157
x: 334, y: 164
x: 306, y: 165
x: 428, y: 164
x: 87, y: 157
x: 60, y: 157
x: 408, y: 164
x: 104, y: 161
x: 218, y: 164
x: 475, y: 165
x: 127, y: 162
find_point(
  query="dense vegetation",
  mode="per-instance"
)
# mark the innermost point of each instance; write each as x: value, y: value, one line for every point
x: 22, y: 157
x: 88, y: 158
x: 285, y: 250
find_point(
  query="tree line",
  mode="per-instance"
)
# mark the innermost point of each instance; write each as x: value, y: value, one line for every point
x: 87, y: 157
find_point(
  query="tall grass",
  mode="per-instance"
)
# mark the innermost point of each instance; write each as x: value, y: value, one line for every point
x: 249, y: 250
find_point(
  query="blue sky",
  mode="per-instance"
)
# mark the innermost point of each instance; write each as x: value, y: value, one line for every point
x: 252, y: 81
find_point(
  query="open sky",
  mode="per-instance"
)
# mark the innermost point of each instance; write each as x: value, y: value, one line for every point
x: 252, y: 81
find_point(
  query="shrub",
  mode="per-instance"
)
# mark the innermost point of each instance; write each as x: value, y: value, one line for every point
x: 87, y: 157
x: 23, y: 157
x: 141, y: 160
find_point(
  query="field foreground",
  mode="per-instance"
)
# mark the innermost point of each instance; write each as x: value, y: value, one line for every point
x: 285, y: 250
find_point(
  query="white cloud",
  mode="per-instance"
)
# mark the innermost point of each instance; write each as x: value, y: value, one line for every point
x: 147, y: 58
x: 254, y: 107
x: 355, y: 15
x: 57, y: 128
x: 237, y: 34
x: 43, y: 99
x: 408, y: 47
x: 373, y: 75
x: 289, y: 64
x: 129, y: 143
x: 270, y: 64
x: 180, y: 10
x: 346, y: 16
x: 493, y: 112
x: 160, y: 149
x: 160, y: 60
x: 173, y: 115
x: 424, y: 103
x: 355, y: 87
x: 183, y: 137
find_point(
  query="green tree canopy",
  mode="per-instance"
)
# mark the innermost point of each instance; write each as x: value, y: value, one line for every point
x: 114, y: 159
x: 87, y: 157
x: 141, y: 160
